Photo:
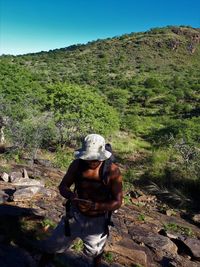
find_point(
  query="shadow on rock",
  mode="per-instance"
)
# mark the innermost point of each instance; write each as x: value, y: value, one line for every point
x: 13, y: 238
x: 19, y: 245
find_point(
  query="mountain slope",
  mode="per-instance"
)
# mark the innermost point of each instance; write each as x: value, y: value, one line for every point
x: 148, y: 74
x: 107, y: 62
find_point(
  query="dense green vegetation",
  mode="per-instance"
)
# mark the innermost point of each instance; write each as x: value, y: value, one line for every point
x: 141, y: 90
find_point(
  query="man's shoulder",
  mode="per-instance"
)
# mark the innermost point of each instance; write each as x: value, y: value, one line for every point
x: 114, y: 171
x: 75, y: 162
x: 74, y: 165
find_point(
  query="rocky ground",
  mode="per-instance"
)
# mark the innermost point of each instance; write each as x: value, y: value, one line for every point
x: 147, y: 232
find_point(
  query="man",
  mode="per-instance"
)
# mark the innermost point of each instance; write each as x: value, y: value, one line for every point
x: 91, y: 201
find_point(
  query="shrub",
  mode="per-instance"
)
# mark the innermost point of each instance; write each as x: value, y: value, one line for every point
x: 78, y: 110
x: 62, y: 158
x: 151, y: 83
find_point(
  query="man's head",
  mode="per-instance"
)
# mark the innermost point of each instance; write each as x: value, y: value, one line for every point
x: 93, y: 149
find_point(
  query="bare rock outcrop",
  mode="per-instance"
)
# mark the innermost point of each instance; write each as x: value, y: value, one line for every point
x: 143, y: 234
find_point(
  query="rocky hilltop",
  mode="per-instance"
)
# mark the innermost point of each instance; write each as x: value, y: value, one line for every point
x: 147, y: 232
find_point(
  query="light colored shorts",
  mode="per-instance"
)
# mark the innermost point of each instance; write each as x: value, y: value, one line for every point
x: 92, y: 231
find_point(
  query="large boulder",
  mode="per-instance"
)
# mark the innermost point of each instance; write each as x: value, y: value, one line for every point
x: 152, y: 240
x: 25, y: 193
x: 194, y: 245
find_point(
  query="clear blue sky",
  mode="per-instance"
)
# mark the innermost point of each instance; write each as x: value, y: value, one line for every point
x: 36, y: 25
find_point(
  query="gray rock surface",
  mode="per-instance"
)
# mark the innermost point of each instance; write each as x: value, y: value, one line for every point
x: 15, y: 176
x: 152, y: 240
x: 25, y: 193
x: 5, y: 177
x: 139, y: 236
x: 194, y: 245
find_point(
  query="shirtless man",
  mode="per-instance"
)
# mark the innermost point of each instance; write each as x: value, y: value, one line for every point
x: 91, y: 201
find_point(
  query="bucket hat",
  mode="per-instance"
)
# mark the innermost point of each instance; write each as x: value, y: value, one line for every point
x: 93, y: 148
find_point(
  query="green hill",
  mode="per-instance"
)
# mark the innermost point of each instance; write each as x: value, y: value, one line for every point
x: 152, y: 73
x: 146, y: 84
x: 113, y: 61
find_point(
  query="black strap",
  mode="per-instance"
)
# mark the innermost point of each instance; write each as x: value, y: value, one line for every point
x: 106, y: 165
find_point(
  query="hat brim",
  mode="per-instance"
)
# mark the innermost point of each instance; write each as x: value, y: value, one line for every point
x: 86, y: 155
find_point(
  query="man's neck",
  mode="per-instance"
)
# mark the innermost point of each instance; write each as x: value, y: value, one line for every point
x: 94, y: 165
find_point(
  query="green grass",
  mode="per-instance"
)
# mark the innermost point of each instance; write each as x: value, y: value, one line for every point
x: 141, y: 217
x: 4, y: 167
x: 184, y: 230
x: 77, y: 245
x: 127, y: 144
x: 127, y: 200
x: 62, y: 158
x: 48, y: 222
x: 108, y: 257
x: 159, y: 159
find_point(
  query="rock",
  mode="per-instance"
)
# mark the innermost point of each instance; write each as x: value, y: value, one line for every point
x: 180, y: 261
x: 11, y: 256
x: 170, y: 212
x: 196, y: 218
x: 135, y: 193
x: 14, y: 176
x: 8, y: 210
x: 147, y: 198
x: 26, y: 193
x: 25, y: 174
x: 71, y: 258
x: 39, y: 212
x: 172, y: 235
x: 116, y: 265
x: 49, y: 193
x: 43, y: 162
x: 194, y: 245
x: 131, y: 251
x: 152, y: 240
x: 5, y: 177
x: 120, y: 228
x: 28, y: 182
x: 3, y: 197
x: 41, y: 171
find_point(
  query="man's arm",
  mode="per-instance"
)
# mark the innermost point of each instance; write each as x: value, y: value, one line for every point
x: 115, y: 179
x: 68, y: 180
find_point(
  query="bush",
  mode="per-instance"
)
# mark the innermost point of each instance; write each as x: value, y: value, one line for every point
x: 31, y: 133
x: 62, y: 158
x: 187, y: 129
x: 78, y: 111
x: 151, y: 83
x: 118, y: 98
x: 140, y: 125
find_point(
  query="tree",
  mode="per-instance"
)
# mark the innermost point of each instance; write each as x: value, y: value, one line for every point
x: 18, y: 89
x: 77, y: 111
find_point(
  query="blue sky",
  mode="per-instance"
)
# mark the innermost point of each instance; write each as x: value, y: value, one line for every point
x: 40, y: 25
